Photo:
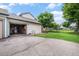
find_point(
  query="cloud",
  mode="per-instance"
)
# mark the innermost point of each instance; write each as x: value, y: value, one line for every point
x: 58, y: 16
x: 53, y: 5
x: 57, y: 13
x: 59, y: 20
x: 12, y: 4
x: 24, y: 3
x: 18, y: 13
x: 30, y: 4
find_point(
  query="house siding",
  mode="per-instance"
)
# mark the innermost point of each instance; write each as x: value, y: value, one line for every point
x: 30, y: 27
x: 28, y: 16
x: 0, y: 29
x: 6, y: 27
x: 16, y: 21
x: 33, y: 28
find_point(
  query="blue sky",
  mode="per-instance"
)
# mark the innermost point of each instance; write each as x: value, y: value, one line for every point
x: 36, y: 9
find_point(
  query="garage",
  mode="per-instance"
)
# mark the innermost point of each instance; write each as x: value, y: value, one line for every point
x: 17, y: 29
x: 25, y: 23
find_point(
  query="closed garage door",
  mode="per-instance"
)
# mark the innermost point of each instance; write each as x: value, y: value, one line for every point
x: 0, y: 29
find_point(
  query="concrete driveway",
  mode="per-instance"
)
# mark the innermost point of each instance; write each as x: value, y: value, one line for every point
x: 37, y: 46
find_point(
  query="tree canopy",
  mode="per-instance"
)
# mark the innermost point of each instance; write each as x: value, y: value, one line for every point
x: 66, y: 24
x: 71, y: 13
x: 53, y: 25
x: 45, y: 19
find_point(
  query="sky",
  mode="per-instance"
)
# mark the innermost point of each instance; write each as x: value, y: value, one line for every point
x: 36, y: 9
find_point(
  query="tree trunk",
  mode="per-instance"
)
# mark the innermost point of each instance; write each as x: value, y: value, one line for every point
x: 45, y: 29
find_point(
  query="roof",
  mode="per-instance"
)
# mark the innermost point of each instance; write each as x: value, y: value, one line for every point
x: 23, y: 18
x: 24, y: 13
x: 3, y: 12
x: 26, y: 18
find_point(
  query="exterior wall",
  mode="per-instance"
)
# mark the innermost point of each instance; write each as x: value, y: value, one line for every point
x: 30, y: 27
x: 33, y: 28
x: 28, y: 16
x: 0, y: 29
x: 16, y: 21
x: 3, y: 11
x: 6, y: 27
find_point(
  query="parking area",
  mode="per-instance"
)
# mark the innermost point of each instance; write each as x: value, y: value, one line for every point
x: 22, y: 45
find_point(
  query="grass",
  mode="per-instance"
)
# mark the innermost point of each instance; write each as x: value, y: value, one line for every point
x: 62, y: 34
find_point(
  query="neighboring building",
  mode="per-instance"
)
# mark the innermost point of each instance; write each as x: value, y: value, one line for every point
x: 25, y: 23
x: 72, y: 26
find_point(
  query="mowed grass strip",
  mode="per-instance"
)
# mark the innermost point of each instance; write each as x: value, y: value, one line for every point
x: 69, y: 36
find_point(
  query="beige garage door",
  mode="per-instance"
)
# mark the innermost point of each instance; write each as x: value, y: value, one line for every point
x: 0, y: 29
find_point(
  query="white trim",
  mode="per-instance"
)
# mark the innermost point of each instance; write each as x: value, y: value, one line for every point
x: 5, y: 27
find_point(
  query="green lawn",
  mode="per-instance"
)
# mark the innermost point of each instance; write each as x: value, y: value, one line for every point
x: 64, y: 35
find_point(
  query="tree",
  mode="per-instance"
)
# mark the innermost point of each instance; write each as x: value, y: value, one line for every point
x: 66, y: 24
x: 45, y: 19
x: 54, y: 25
x: 51, y: 25
x: 71, y: 13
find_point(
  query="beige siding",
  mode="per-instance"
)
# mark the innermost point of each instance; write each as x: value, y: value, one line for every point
x: 30, y: 27
x: 0, y: 29
x: 33, y: 28
x: 16, y: 21
x: 1, y: 18
x: 28, y: 16
x: 4, y: 11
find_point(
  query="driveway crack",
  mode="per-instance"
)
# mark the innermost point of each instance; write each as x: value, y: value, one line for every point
x: 31, y: 46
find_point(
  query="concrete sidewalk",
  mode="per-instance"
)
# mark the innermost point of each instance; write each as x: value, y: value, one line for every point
x: 37, y: 46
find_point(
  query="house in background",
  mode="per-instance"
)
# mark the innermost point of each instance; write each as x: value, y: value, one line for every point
x: 25, y: 23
